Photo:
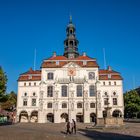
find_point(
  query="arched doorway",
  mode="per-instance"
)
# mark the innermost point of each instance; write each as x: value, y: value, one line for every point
x: 79, y: 117
x: 34, y: 116
x: 117, y: 113
x: 64, y: 117
x: 50, y: 117
x: 93, y: 117
x: 23, y: 117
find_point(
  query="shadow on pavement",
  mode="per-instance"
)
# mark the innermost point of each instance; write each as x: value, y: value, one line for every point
x: 96, y: 135
x: 6, y: 123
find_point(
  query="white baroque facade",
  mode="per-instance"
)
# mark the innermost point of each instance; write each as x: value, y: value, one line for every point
x: 69, y: 86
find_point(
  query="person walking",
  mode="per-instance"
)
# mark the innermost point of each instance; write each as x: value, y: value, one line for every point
x: 73, y: 128
x: 68, y: 128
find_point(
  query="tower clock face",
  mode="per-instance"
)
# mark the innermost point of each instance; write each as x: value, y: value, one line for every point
x: 71, y: 72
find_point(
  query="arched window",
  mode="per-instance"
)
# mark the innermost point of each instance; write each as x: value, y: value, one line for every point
x: 64, y: 91
x: 92, y: 105
x: 92, y: 90
x: 79, y: 105
x: 50, y: 91
x: 79, y: 91
x: 106, y: 94
x: 50, y: 76
x: 109, y: 83
x: 91, y: 75
x: 114, y: 93
x: 115, y: 83
x: 34, y: 94
x: 49, y: 105
x: 25, y: 94
x: 64, y: 105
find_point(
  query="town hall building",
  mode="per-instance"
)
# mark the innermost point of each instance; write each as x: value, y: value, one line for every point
x: 69, y: 86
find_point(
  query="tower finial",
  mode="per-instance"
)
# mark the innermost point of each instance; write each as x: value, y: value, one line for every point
x: 70, y: 18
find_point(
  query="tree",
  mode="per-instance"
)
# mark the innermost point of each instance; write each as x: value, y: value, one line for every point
x: 10, y: 104
x: 131, y: 103
x: 3, y: 82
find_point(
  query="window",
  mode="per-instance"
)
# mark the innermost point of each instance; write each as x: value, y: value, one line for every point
x: 29, y: 84
x: 25, y: 94
x: 114, y: 93
x: 114, y: 101
x: 105, y: 101
x: 24, y: 102
x: 91, y: 75
x: 109, y: 76
x: 24, y: 84
x: 64, y: 105
x: 34, y: 83
x: 84, y: 62
x: 109, y: 83
x: 34, y: 94
x: 92, y: 105
x: 105, y: 93
x: 79, y: 91
x: 50, y: 76
x: 50, y: 91
x: 115, y: 83
x: 33, y: 102
x: 70, y: 31
x: 49, y: 105
x: 64, y: 91
x: 79, y: 105
x: 57, y: 63
x: 92, y: 90
x: 104, y: 83
x: 71, y: 42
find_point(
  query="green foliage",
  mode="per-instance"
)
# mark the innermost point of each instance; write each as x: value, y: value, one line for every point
x: 10, y: 103
x: 3, y: 82
x: 131, y: 103
x: 7, y: 101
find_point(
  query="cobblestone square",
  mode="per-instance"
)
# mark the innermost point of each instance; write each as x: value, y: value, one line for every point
x: 34, y: 131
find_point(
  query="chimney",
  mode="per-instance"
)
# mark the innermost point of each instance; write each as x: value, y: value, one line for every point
x: 109, y: 68
x: 84, y: 54
x: 54, y: 54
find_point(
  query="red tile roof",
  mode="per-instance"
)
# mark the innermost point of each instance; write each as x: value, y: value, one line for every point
x: 109, y: 75
x: 30, y: 75
x: 79, y: 60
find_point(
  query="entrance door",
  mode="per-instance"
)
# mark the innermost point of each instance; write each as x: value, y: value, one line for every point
x: 79, y: 118
x: 50, y: 117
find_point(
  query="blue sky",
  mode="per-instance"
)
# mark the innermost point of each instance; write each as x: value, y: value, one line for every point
x: 110, y: 24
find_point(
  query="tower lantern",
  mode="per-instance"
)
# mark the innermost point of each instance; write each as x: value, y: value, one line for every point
x: 71, y: 43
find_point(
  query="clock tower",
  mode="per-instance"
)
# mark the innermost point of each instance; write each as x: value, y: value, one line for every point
x: 71, y: 43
